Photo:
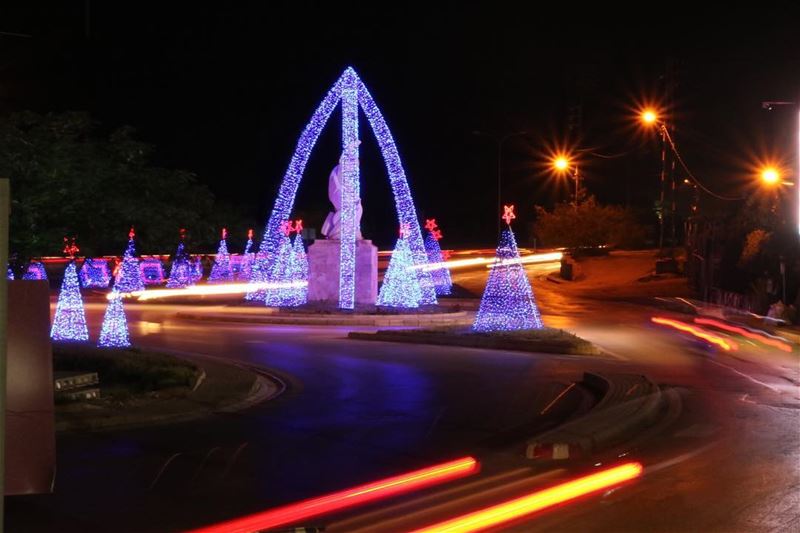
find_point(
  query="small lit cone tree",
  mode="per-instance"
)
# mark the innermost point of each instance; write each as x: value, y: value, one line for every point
x: 401, y: 285
x: 182, y: 273
x: 221, y: 271
x: 246, y: 266
x: 114, y: 332
x: 197, y: 269
x: 507, y: 303
x: 259, y: 271
x: 69, y: 322
x: 280, y: 272
x: 129, y: 278
x: 441, y: 276
x: 301, y: 268
x: 10, y: 274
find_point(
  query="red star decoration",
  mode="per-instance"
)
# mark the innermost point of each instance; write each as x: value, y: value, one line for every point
x: 298, y: 225
x: 508, y: 214
x: 131, y: 233
x: 446, y: 254
x: 70, y: 248
x: 404, y: 230
x: 436, y: 234
x: 182, y: 232
x: 224, y: 233
x: 430, y: 224
x: 250, y: 233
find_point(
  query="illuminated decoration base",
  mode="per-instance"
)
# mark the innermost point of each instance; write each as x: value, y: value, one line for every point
x: 323, y: 272
x: 441, y: 276
x: 95, y: 273
x: 35, y: 271
x: 69, y: 322
x: 114, y: 332
x: 401, y: 287
x: 130, y: 278
x: 350, y: 90
x: 152, y: 272
x: 507, y: 302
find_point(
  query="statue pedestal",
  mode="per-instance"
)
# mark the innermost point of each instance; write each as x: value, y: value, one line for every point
x: 323, y: 272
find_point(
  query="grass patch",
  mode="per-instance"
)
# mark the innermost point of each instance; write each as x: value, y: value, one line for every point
x: 128, y: 369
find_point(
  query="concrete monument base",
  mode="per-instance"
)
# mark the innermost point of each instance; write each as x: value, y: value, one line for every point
x: 323, y: 272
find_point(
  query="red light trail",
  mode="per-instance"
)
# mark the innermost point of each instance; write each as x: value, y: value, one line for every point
x: 337, y: 501
x: 725, y: 344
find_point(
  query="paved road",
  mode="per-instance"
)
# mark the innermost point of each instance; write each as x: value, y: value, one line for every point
x: 357, y: 411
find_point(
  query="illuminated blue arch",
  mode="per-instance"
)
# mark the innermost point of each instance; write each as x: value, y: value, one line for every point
x: 352, y: 93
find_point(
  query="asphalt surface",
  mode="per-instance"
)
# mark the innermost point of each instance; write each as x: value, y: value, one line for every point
x: 356, y: 411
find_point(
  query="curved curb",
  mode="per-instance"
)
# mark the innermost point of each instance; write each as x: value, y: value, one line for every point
x: 265, y: 387
x: 618, y: 416
x: 430, y: 319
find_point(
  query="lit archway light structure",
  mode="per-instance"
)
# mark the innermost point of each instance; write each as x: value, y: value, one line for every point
x: 353, y: 94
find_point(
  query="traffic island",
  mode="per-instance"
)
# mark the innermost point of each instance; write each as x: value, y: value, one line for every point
x: 136, y: 387
x: 327, y: 315
x: 546, y: 340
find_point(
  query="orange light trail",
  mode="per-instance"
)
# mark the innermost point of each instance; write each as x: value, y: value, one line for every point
x: 347, y: 498
x: 775, y: 343
x: 536, y: 501
x: 725, y: 344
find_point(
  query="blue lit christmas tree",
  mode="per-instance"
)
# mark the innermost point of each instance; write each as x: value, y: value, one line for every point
x: 508, y: 302
x: 221, y: 271
x: 246, y: 264
x: 441, y: 276
x: 182, y: 272
x: 10, y: 274
x: 401, y: 286
x: 114, y: 332
x: 300, y: 268
x: 280, y: 271
x: 259, y: 271
x: 197, y: 269
x: 69, y: 323
x: 129, y: 278
x: 35, y: 271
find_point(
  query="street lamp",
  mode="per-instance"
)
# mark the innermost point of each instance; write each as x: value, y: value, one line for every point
x: 649, y: 117
x: 499, y: 141
x: 563, y: 164
x: 768, y: 106
x: 770, y: 176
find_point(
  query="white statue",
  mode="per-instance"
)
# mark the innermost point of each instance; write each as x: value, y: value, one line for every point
x: 332, y: 227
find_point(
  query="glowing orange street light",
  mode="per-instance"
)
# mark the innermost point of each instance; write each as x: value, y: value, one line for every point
x: 649, y: 116
x: 770, y: 176
x: 562, y: 163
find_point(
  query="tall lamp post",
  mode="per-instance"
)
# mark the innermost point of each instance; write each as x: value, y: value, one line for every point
x: 499, y: 141
x: 768, y: 106
x: 563, y: 164
x: 650, y: 118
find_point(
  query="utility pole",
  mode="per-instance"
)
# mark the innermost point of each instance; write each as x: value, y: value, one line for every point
x: 5, y: 199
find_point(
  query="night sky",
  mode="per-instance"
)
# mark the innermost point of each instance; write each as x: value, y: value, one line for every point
x: 224, y: 91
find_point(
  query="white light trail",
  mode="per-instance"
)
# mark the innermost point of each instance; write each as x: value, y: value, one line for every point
x: 202, y: 290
